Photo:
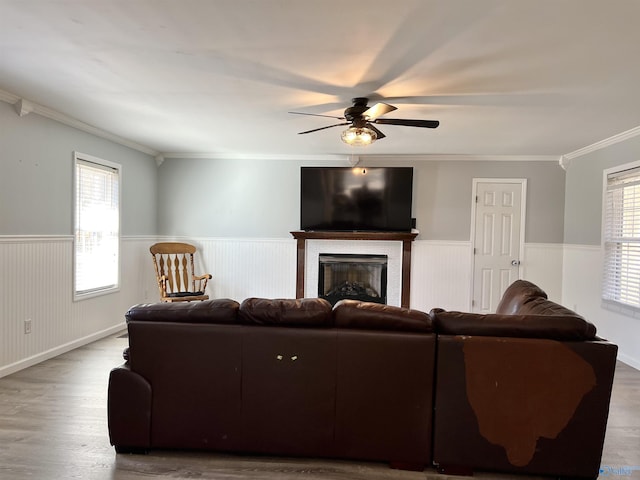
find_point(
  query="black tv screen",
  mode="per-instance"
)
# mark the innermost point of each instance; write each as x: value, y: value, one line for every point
x: 352, y: 199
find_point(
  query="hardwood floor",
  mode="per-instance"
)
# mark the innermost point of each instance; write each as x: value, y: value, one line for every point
x: 53, y: 425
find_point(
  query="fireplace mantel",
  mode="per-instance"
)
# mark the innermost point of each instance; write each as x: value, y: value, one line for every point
x: 405, y: 237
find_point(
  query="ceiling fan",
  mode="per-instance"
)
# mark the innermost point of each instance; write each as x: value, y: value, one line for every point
x: 361, y: 117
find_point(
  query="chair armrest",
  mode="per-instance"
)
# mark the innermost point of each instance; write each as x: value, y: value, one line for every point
x: 206, y: 276
x: 201, y: 286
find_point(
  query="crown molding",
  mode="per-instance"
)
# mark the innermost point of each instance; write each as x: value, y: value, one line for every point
x: 564, y: 162
x: 256, y: 156
x: 466, y: 158
x: 8, y: 97
x: 620, y: 137
x: 350, y: 159
x: 23, y: 107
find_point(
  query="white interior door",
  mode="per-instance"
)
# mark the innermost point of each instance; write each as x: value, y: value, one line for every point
x: 498, y: 238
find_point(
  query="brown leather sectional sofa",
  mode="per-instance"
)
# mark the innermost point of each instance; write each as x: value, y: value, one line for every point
x: 524, y: 390
x: 285, y: 377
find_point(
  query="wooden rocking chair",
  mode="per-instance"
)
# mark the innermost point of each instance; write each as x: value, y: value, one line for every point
x: 173, y: 263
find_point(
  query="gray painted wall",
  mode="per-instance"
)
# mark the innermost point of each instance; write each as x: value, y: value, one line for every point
x: 443, y: 190
x: 583, y: 210
x: 260, y: 198
x: 37, y: 172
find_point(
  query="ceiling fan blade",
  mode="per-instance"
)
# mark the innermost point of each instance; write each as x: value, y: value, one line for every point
x: 379, y: 134
x: 408, y: 123
x: 316, y: 115
x: 324, y: 128
x: 378, y: 110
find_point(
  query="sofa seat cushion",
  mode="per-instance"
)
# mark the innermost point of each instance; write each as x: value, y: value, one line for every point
x: 517, y: 295
x: 222, y: 311
x: 304, y: 312
x: 376, y: 316
x: 554, y: 327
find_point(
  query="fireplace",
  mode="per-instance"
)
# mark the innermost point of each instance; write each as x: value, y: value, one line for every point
x: 396, y: 245
x: 352, y: 276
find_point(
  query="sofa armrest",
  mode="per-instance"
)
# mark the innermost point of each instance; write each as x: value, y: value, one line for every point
x: 129, y: 410
x: 517, y: 294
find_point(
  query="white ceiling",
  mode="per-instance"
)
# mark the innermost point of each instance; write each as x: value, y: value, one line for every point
x: 504, y: 77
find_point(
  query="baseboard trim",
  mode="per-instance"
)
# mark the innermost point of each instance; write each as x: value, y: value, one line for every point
x: 54, y: 352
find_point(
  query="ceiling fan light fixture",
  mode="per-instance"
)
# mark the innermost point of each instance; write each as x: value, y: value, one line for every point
x: 358, y: 136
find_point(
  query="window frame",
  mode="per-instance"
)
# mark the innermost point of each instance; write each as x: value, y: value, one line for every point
x: 616, y: 304
x: 79, y: 157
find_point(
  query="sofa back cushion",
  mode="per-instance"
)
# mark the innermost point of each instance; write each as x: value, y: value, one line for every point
x: 221, y: 311
x: 518, y: 294
x: 555, y: 327
x: 376, y: 316
x: 303, y: 312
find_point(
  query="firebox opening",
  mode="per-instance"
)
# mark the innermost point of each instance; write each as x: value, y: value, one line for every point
x: 356, y: 277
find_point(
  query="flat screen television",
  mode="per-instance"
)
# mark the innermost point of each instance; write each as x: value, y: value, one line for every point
x: 356, y: 199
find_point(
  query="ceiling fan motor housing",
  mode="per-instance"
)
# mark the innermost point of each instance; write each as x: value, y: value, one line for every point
x: 354, y: 113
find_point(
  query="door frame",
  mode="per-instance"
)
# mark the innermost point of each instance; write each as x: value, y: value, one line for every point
x: 523, y: 210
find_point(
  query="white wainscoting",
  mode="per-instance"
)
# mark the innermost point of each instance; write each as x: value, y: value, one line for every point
x: 36, y: 275
x: 36, y: 283
x: 259, y: 267
x: 249, y: 267
x: 581, y: 291
x: 441, y: 275
x: 542, y: 265
x: 244, y: 268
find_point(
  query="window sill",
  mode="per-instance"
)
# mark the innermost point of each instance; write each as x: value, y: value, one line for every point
x: 77, y: 297
x: 621, y: 308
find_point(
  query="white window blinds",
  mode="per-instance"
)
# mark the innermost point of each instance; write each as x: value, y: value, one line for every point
x: 621, y: 236
x: 97, y: 226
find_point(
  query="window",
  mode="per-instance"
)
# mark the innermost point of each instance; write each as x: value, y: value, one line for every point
x: 96, y: 226
x: 621, y: 236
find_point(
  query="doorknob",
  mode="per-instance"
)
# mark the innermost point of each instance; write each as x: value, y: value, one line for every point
x: 515, y: 263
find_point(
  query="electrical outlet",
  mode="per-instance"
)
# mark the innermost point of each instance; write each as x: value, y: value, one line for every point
x: 27, y: 326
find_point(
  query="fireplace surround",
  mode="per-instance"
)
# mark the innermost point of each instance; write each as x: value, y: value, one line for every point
x: 397, y: 245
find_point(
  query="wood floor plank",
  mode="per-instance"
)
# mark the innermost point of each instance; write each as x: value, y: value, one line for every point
x: 53, y: 425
